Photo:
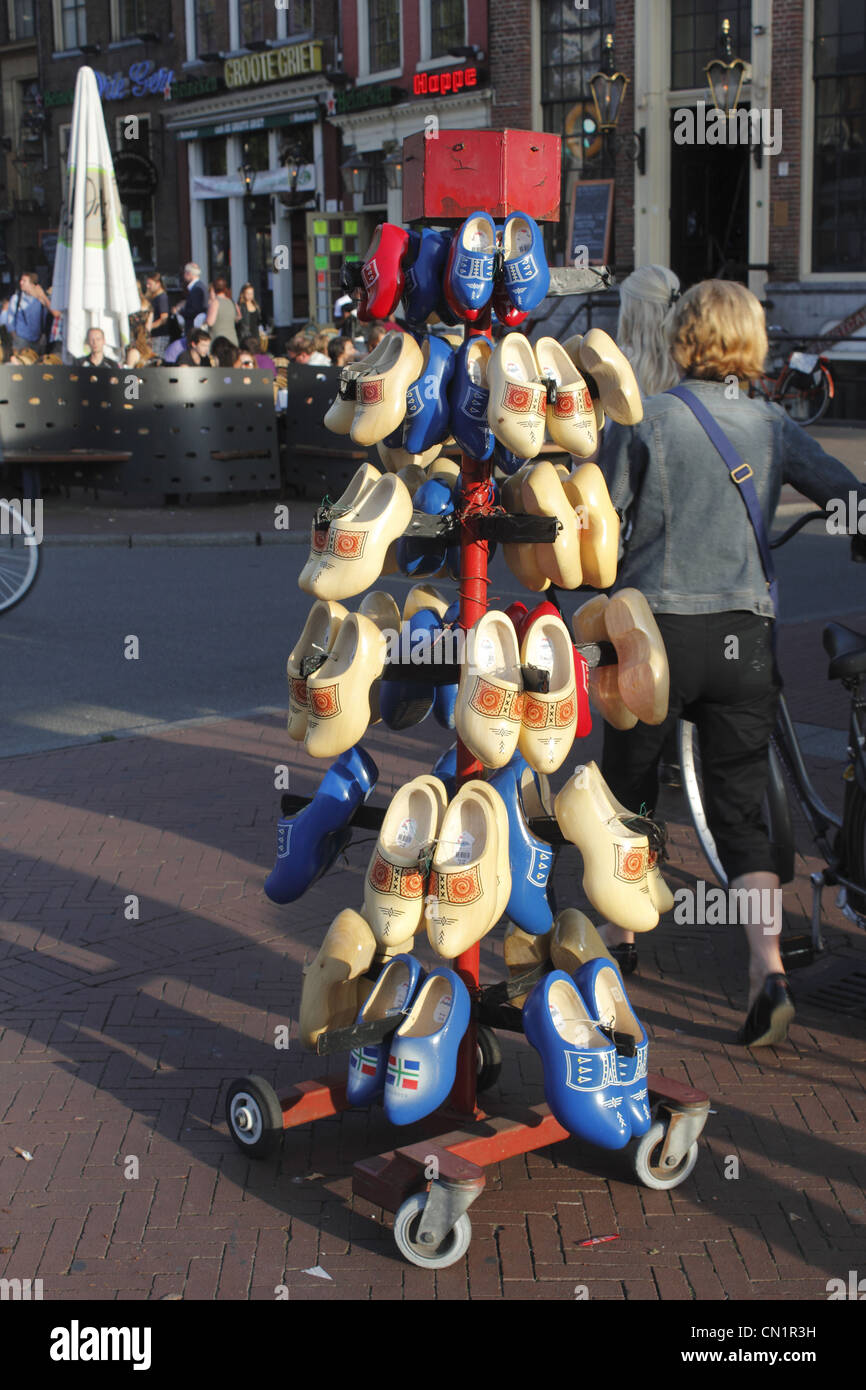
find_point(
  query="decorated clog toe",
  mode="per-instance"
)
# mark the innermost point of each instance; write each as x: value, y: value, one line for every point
x: 339, y: 692
x: 390, y: 999
x: 525, y: 276
x: 489, y: 708
x: 600, y: 984
x: 422, y: 1060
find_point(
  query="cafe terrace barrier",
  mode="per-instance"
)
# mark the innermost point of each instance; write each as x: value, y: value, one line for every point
x: 160, y: 429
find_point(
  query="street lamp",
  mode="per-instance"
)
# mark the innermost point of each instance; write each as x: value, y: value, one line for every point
x: 393, y: 165
x: 247, y: 172
x: 608, y: 90
x: 725, y: 75
x: 355, y: 172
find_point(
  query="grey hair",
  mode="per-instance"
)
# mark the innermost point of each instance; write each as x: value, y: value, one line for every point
x: 646, y: 298
x: 191, y: 265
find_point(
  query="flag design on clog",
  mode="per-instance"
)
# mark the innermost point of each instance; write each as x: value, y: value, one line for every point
x: 403, y: 1074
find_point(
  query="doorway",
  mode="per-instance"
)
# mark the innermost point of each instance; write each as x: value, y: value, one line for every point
x: 709, y: 211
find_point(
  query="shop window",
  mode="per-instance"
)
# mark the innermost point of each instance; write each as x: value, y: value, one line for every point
x: 251, y: 14
x: 383, y: 29
x: 22, y: 21
x: 205, y: 26
x: 839, y: 201
x: 447, y: 26
x: 128, y: 18
x: 70, y: 23
x: 696, y: 27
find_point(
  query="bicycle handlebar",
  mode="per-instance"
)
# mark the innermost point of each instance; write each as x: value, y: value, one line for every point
x: 797, y: 526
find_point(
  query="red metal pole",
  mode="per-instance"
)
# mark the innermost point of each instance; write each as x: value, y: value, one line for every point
x: 473, y: 602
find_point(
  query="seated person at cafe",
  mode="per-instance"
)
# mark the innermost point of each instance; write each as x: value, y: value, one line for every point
x: 97, y: 356
x: 198, y: 352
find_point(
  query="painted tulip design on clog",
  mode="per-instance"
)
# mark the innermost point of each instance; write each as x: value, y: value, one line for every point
x: 525, y: 276
x: 308, y: 653
x: 549, y: 721
x: 362, y: 483
x: 340, y: 414
x: 469, y: 396
x: 570, y: 415
x: 615, y: 857
x: 335, y: 986
x: 339, y: 692
x: 581, y: 1079
x: 517, y: 409
x: 354, y: 547
x: 531, y: 858
x: 464, y: 878
x: 391, y: 998
x: 600, y: 984
x: 598, y: 523
x: 309, y: 842
x: 424, y: 274
x: 397, y: 872
x: 422, y: 1061
x: 381, y: 404
x: 468, y: 280
x: 489, y: 710
x: 382, y: 272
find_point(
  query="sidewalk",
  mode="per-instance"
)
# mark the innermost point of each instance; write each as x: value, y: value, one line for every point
x: 121, y: 1033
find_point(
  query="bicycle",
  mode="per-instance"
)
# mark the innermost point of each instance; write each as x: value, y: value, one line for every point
x: 803, y: 388
x: 19, y: 556
x: 840, y: 840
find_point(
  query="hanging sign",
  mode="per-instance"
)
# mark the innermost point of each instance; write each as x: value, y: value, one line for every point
x: 292, y: 60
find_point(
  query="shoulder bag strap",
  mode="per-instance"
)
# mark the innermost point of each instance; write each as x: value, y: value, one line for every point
x: 741, y: 474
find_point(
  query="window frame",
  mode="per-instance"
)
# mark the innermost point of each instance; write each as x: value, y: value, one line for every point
x: 60, y: 8
x: 14, y: 36
x: 365, y: 73
x: 425, y: 22
x: 145, y: 148
x: 116, y: 36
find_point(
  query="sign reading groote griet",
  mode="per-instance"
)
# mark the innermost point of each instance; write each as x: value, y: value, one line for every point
x: 293, y: 60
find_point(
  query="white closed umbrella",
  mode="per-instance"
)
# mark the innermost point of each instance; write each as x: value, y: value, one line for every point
x: 94, y: 277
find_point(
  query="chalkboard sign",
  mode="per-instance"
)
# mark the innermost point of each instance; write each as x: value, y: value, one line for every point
x: 590, y: 224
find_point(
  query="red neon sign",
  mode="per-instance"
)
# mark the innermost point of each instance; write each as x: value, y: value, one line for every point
x: 441, y: 83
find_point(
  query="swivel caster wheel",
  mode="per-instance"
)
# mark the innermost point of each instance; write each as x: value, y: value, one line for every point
x: 648, y: 1164
x: 447, y: 1252
x: 254, y: 1116
x: 489, y: 1056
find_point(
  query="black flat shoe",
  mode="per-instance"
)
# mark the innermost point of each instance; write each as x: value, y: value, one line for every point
x: 771, y: 1014
x: 625, y: 956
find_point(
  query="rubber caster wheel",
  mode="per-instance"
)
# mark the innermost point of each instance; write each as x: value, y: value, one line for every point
x: 647, y: 1157
x: 254, y: 1116
x: 489, y: 1056
x: 451, y: 1249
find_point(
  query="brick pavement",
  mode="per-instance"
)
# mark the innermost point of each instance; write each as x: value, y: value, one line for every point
x: 119, y: 1037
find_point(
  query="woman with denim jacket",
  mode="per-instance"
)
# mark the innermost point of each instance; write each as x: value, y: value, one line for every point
x: 692, y: 551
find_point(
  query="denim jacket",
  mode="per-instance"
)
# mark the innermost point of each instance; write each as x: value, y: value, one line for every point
x: 692, y: 548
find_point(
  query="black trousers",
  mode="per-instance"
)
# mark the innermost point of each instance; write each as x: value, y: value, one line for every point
x: 725, y: 680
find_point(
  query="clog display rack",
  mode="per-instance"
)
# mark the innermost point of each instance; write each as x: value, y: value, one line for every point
x: 430, y: 1183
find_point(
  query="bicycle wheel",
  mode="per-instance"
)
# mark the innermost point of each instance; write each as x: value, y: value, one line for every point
x: 855, y: 853
x: 804, y: 398
x: 19, y: 556
x: 777, y: 807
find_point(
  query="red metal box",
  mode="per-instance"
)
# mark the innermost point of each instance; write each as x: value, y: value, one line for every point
x: 457, y: 172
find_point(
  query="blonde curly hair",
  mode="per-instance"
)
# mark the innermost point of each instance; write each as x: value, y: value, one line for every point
x: 718, y: 330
